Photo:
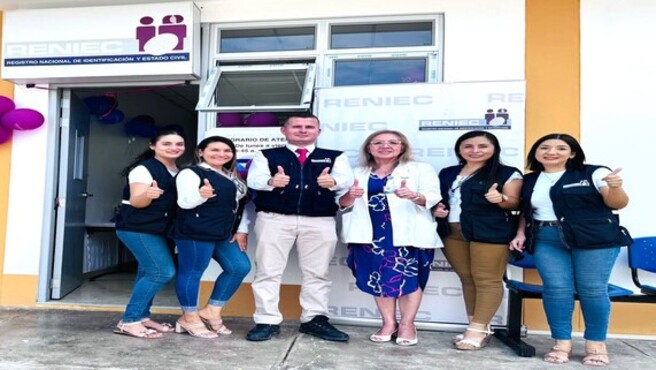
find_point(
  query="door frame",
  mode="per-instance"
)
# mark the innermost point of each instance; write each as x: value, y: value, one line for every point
x: 52, y: 174
x: 49, y: 214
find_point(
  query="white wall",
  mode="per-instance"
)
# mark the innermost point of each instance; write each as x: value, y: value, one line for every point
x: 484, y: 39
x: 618, y: 119
x: 28, y: 180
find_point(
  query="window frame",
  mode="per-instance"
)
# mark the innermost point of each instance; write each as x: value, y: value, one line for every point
x: 388, y: 21
x: 207, y: 101
x: 432, y: 62
x: 322, y: 55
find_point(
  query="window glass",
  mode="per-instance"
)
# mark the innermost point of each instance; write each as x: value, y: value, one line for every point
x: 381, y: 35
x: 267, y: 39
x: 260, y: 88
x: 379, y: 71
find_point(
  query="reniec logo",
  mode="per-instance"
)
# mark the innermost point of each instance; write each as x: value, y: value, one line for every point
x: 159, y: 40
x: 491, y: 120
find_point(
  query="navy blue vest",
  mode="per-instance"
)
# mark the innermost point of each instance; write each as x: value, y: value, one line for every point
x: 157, y: 217
x: 302, y: 196
x: 214, y: 219
x: 585, y: 220
x: 480, y: 220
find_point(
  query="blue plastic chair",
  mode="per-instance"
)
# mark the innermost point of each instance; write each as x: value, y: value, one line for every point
x: 518, y: 291
x: 524, y: 288
x: 642, y: 256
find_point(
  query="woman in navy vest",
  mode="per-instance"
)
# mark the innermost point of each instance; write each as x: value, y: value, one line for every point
x: 390, y: 230
x: 209, y: 194
x: 569, y: 227
x: 145, y: 215
x: 475, y: 218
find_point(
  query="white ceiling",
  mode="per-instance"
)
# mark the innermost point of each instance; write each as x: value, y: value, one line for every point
x: 42, y: 4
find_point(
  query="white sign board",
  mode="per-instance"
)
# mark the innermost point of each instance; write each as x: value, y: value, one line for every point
x: 432, y: 116
x: 145, y: 41
x: 249, y: 140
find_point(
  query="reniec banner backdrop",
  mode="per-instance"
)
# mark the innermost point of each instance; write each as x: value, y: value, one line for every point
x: 433, y: 116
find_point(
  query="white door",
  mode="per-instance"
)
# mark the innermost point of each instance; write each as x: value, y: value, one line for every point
x: 71, y: 196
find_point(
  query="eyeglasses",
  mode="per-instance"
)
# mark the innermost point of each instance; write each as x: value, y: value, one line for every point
x: 390, y: 143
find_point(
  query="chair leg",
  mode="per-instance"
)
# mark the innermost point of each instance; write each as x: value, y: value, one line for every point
x: 512, y: 335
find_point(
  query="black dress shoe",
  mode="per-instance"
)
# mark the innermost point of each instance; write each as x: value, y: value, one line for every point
x: 262, y: 332
x: 321, y: 328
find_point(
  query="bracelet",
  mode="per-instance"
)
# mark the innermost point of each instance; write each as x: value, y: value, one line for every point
x: 417, y: 196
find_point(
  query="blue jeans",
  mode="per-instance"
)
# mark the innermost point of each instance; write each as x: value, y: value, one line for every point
x: 155, y: 269
x: 193, y: 258
x: 565, y: 272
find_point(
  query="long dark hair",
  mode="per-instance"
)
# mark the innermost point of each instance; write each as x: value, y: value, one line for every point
x: 230, y: 166
x: 492, y: 166
x: 576, y: 163
x: 149, y: 153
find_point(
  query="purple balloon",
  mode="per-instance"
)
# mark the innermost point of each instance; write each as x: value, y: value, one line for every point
x: 143, y: 119
x: 113, y: 117
x: 22, y: 119
x: 6, y: 105
x: 262, y: 119
x: 101, y: 105
x: 5, y: 134
x: 229, y: 120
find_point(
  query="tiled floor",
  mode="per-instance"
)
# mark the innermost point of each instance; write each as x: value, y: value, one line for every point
x: 114, y: 290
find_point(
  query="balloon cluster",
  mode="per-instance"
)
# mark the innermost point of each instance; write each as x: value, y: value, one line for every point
x: 104, y: 108
x: 142, y: 126
x: 257, y: 119
x: 16, y: 119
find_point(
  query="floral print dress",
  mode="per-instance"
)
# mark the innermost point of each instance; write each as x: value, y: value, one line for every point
x: 380, y: 268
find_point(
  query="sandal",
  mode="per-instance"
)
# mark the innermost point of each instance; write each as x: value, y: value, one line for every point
x: 380, y: 338
x: 457, y: 339
x: 198, y: 330
x: 466, y: 344
x: 558, y: 355
x: 216, y: 326
x: 408, y: 341
x: 163, y: 327
x: 595, y: 357
x: 144, y: 334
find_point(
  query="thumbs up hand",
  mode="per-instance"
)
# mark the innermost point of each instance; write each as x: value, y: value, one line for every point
x: 279, y: 180
x: 153, y: 192
x: 356, y: 191
x: 493, y: 195
x: 404, y: 192
x: 440, y: 211
x: 207, y: 191
x: 325, y: 180
x: 613, y: 179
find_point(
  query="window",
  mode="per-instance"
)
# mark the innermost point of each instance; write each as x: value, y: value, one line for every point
x: 267, y: 39
x: 381, y: 35
x: 284, y: 87
x: 272, y: 67
x: 379, y: 71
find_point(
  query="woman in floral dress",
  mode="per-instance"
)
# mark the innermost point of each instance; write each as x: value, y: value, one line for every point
x: 390, y: 231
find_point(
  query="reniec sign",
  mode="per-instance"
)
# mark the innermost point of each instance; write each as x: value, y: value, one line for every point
x: 151, y: 41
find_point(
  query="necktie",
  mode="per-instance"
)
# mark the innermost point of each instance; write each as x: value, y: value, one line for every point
x: 302, y: 155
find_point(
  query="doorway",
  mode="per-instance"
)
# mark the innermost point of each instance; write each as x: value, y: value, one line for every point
x: 102, y: 131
